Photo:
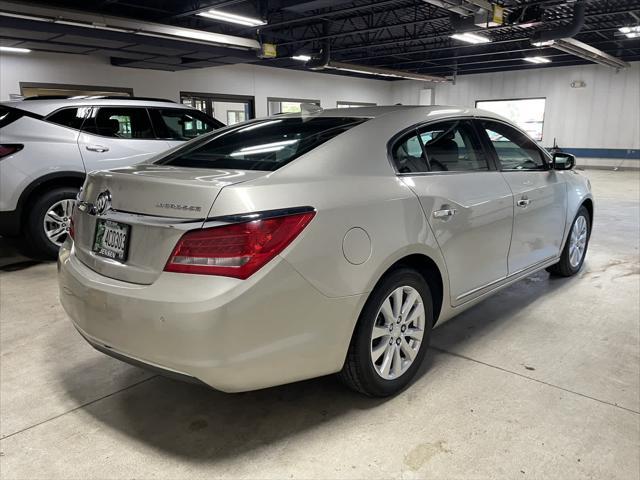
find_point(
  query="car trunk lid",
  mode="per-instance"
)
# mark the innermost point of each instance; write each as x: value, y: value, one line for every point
x: 155, y: 205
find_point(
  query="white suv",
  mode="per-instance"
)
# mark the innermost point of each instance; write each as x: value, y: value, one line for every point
x: 48, y: 145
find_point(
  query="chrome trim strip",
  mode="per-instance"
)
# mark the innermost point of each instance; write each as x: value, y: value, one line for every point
x: 533, y: 267
x: 261, y: 215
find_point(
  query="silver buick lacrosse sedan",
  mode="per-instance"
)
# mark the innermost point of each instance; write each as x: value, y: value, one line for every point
x: 308, y: 244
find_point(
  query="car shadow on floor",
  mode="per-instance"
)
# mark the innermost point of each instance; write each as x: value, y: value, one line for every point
x: 194, y: 422
x: 14, y: 255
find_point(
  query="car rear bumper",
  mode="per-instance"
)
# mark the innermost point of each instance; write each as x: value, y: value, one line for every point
x: 230, y: 334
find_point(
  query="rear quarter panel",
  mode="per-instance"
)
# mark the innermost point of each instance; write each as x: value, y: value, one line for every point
x: 48, y: 148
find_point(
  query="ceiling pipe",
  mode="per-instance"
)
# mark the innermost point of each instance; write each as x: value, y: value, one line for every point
x: 567, y: 31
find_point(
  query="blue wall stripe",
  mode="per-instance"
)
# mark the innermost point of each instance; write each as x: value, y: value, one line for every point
x: 621, y: 153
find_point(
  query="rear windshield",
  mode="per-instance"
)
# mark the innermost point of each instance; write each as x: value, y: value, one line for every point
x: 262, y: 145
x: 8, y: 115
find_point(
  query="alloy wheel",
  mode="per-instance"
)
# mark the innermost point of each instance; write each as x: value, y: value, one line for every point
x: 397, y: 332
x: 57, y: 221
x: 578, y: 241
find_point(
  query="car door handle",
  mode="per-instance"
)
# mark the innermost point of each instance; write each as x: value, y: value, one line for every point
x: 445, y: 213
x: 97, y: 148
x: 523, y: 202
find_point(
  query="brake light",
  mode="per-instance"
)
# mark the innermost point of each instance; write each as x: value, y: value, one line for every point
x: 7, y: 149
x: 237, y: 250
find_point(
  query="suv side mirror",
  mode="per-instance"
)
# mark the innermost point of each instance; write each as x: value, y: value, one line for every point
x: 563, y: 161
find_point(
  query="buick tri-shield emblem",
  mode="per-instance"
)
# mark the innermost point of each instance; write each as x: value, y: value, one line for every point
x: 102, y: 203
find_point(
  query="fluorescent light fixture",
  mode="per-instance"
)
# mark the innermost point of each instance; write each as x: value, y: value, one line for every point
x: 631, y: 32
x: 547, y: 43
x: 383, y: 72
x: 232, y: 18
x: 302, y: 58
x: 470, y: 38
x: 537, y: 59
x: 14, y: 50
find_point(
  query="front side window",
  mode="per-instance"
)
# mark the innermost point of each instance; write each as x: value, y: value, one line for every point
x: 119, y: 122
x: 453, y: 146
x: 179, y: 124
x: 262, y: 145
x: 513, y: 148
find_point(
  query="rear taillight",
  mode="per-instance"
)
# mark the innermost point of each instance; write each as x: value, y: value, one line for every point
x: 7, y: 149
x: 237, y: 250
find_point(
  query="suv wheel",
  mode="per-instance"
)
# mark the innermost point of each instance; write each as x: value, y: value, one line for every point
x: 48, y: 222
x: 392, y: 335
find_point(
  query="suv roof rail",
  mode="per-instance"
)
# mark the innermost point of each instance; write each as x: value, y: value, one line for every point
x: 98, y: 97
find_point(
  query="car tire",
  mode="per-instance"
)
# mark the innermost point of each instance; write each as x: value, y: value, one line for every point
x: 576, y: 244
x: 376, y: 378
x: 39, y: 244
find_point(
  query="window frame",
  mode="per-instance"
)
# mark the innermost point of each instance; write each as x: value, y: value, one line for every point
x: 415, y: 130
x: 92, y: 107
x: 491, y: 150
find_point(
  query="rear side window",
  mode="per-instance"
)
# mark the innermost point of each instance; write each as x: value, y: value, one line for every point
x: 262, y: 145
x: 408, y: 155
x: 119, y: 122
x: 453, y: 146
x: 179, y: 124
x: 9, y: 115
x: 69, y: 117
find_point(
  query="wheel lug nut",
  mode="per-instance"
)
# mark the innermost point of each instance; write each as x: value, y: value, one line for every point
x: 391, y: 341
x: 403, y: 328
x: 397, y: 341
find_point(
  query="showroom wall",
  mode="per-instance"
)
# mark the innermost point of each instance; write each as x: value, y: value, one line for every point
x: 601, y: 119
x: 258, y: 81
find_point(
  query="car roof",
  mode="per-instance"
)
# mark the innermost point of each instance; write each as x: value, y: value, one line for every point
x: 46, y: 106
x: 390, y: 112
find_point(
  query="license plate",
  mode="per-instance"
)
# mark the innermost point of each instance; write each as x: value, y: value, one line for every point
x: 112, y: 239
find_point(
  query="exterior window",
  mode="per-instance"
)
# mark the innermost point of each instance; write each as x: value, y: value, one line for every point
x: 178, y: 124
x: 408, y: 155
x: 261, y: 145
x: 527, y: 113
x: 69, y: 117
x: 453, y: 146
x: 514, y: 149
x: 287, y: 105
x: 119, y: 122
x: 235, y: 116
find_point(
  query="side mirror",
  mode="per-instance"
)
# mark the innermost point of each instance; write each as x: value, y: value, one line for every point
x: 563, y: 161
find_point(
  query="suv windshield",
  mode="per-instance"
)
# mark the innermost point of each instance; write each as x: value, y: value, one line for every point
x: 262, y: 145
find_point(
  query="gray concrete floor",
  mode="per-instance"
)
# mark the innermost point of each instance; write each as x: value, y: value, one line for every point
x: 540, y: 381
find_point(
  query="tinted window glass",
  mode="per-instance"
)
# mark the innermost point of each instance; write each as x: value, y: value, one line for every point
x: 408, y: 155
x: 69, y: 117
x: 263, y: 145
x: 514, y: 149
x: 178, y: 124
x: 119, y: 122
x: 453, y: 146
x: 8, y: 115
